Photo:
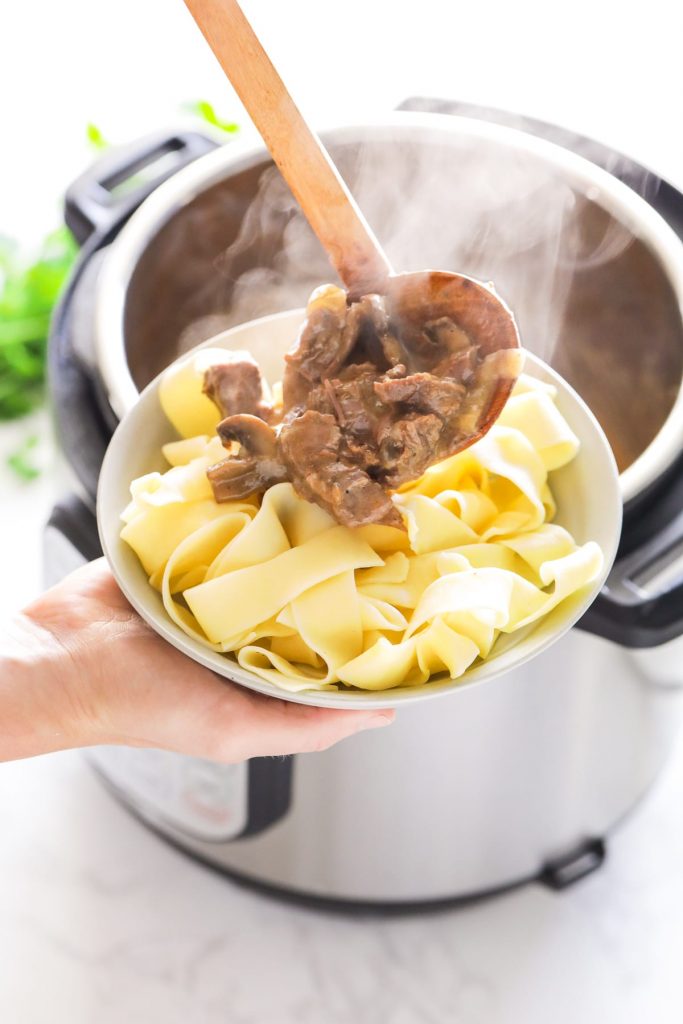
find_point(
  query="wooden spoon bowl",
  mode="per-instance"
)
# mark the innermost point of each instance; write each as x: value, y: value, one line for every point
x: 414, y: 299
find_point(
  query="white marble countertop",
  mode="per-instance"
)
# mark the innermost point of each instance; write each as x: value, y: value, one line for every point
x: 100, y: 920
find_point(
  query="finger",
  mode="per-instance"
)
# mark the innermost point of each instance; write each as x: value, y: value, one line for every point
x: 271, y: 727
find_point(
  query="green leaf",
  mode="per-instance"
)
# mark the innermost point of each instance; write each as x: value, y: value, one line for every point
x: 28, y: 293
x: 19, y: 460
x: 95, y: 137
x: 206, y: 110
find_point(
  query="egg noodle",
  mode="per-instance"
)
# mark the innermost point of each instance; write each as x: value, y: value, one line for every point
x: 308, y: 604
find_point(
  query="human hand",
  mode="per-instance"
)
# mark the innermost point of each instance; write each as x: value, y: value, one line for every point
x: 80, y: 667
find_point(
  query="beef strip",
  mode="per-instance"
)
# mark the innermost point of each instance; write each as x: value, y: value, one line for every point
x: 351, y: 399
x: 237, y: 386
x: 407, y: 446
x: 312, y: 449
x: 423, y: 391
x: 335, y: 334
x: 368, y: 406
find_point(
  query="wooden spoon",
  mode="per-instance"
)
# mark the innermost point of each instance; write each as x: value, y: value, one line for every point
x: 355, y: 253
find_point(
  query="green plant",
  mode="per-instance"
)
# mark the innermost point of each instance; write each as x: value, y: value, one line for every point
x: 28, y: 293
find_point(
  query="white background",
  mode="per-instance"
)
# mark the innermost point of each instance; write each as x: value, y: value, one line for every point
x: 99, y: 920
x: 607, y: 68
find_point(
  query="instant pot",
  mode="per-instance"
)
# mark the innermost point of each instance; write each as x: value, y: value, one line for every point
x: 523, y: 777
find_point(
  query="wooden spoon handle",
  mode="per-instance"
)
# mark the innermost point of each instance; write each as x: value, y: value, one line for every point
x: 304, y: 163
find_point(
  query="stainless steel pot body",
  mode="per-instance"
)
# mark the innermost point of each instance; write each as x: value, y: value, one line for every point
x: 477, y: 791
x: 489, y: 786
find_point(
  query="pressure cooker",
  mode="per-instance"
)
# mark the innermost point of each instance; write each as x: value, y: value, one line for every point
x: 524, y: 777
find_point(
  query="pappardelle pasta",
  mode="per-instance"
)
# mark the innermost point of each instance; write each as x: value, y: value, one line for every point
x: 308, y: 604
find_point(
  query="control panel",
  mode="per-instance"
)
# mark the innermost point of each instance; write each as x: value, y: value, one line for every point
x: 203, y: 799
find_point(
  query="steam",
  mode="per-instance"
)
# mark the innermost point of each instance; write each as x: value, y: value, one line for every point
x: 495, y: 213
x: 295, y: 262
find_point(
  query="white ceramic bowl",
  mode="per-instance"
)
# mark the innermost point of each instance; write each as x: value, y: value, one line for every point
x: 587, y: 494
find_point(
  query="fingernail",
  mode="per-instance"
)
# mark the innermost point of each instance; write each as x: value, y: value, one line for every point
x: 380, y: 720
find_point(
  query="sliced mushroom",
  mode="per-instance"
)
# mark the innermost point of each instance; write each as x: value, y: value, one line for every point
x: 250, y: 432
x: 235, y: 479
x: 254, y: 468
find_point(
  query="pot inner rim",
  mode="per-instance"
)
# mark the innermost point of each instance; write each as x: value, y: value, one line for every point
x: 644, y: 275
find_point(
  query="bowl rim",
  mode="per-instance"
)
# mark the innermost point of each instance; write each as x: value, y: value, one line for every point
x: 484, y: 672
x: 235, y: 156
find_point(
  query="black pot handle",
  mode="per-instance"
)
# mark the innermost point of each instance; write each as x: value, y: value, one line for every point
x: 109, y: 191
x: 641, y: 605
x: 647, y: 622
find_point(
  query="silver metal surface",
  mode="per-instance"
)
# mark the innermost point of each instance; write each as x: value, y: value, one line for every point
x: 475, y: 792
